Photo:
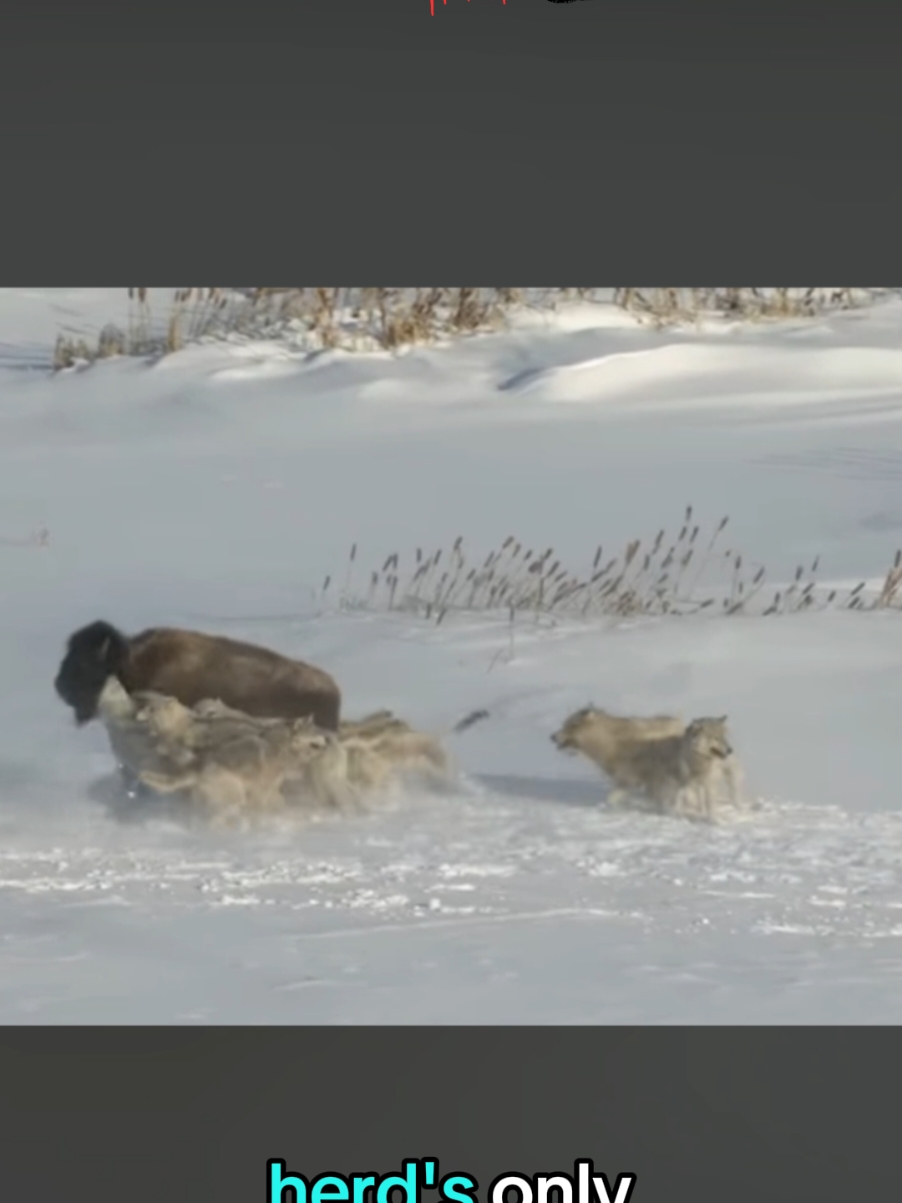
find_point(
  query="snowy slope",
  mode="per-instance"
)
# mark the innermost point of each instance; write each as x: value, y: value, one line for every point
x: 218, y: 487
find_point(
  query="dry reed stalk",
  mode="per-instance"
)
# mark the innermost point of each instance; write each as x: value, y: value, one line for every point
x: 347, y: 586
x: 891, y: 584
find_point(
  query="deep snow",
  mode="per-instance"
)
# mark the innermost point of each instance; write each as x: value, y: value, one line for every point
x: 218, y: 487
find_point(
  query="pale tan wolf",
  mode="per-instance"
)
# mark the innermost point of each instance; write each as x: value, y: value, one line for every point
x: 642, y: 754
x: 135, y: 743
x: 598, y: 733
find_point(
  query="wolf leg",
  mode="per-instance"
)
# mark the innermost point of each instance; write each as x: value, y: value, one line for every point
x: 131, y: 783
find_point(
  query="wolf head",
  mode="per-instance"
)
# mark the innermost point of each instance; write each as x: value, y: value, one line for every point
x: 307, y: 737
x: 568, y: 737
x: 165, y: 716
x: 710, y: 738
x: 93, y: 654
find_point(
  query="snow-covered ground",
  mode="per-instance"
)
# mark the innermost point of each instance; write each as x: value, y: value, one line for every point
x: 218, y: 487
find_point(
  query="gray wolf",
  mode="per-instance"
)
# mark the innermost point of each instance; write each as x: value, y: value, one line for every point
x: 379, y: 747
x: 250, y: 776
x: 382, y: 748
x: 679, y: 773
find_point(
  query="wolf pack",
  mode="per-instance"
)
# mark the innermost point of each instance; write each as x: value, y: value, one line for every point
x: 237, y: 731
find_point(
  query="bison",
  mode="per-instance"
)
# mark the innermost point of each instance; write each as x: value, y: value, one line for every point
x: 191, y: 666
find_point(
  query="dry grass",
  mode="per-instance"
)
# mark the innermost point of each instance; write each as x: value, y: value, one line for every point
x: 387, y: 319
x: 671, y: 575
x: 673, y: 306
x: 315, y: 318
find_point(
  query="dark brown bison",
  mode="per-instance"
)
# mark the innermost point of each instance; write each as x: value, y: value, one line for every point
x: 191, y: 666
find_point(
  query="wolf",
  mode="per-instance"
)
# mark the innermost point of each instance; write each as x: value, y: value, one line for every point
x: 628, y: 750
x: 158, y: 742
x: 250, y: 775
x: 598, y: 734
x: 680, y: 772
x: 376, y: 759
x: 381, y: 748
x: 135, y: 739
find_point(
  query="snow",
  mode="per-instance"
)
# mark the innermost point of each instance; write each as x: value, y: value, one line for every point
x: 218, y: 487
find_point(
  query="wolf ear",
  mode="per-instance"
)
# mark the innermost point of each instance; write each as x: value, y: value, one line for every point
x: 104, y: 650
x: 723, y: 718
